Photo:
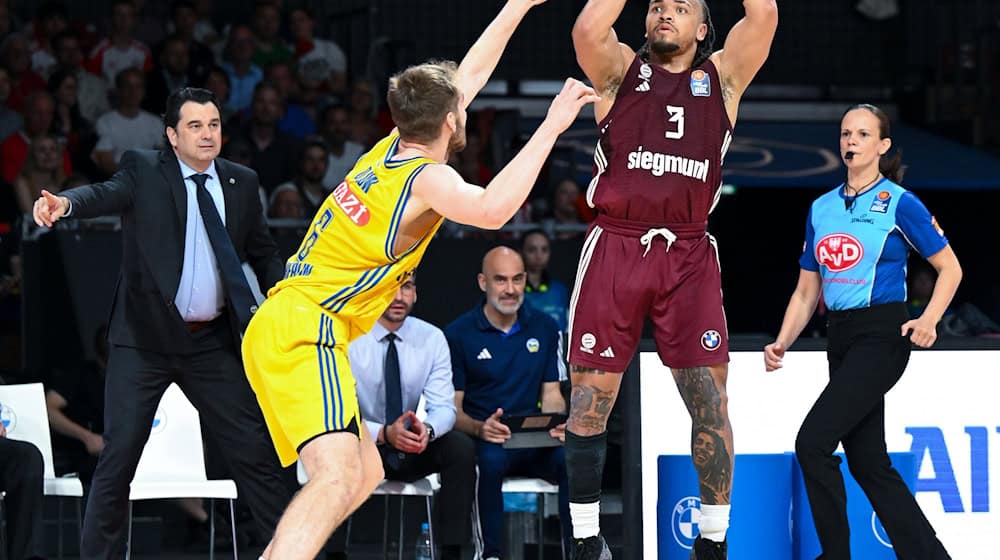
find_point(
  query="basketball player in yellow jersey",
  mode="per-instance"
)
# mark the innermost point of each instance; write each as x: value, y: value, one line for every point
x: 365, y: 240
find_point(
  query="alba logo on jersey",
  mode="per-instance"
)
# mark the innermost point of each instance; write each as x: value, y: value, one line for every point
x: 351, y: 204
x: 839, y: 252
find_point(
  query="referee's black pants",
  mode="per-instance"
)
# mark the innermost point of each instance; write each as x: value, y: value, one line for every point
x: 867, y: 357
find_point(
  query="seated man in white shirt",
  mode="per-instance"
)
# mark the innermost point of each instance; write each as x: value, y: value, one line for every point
x: 128, y: 127
x: 401, y: 359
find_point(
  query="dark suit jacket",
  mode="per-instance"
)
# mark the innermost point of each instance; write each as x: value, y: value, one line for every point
x: 149, y: 194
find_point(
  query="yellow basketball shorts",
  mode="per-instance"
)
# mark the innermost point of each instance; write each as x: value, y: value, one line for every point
x: 295, y: 356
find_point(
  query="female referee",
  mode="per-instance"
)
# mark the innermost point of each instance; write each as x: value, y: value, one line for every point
x: 857, y: 240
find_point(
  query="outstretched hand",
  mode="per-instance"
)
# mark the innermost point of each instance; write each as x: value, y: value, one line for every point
x: 566, y: 106
x: 49, y: 208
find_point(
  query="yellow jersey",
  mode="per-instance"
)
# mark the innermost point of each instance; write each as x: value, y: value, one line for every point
x: 347, y: 263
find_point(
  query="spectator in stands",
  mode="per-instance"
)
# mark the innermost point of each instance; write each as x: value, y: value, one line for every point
x: 335, y: 126
x: 42, y: 170
x: 39, y: 112
x: 74, y: 398
x: 205, y: 30
x: 121, y: 50
x: 399, y: 361
x: 564, y: 211
x: 91, y: 91
x: 506, y: 359
x: 171, y: 73
x: 921, y: 280
x: 275, y: 154
x: 7, y: 24
x: 238, y: 150
x: 286, y: 202
x: 10, y: 120
x: 149, y: 19
x: 541, y: 291
x: 318, y: 60
x: 469, y: 162
x: 74, y: 180
x: 10, y: 271
x: 244, y: 75
x: 309, y: 181
x: 50, y: 21
x: 217, y: 82
x: 15, y: 55
x: 76, y: 134
x: 21, y: 471
x: 128, y: 127
x: 364, y: 113
x: 184, y: 21
x: 297, y: 119
x: 270, y: 48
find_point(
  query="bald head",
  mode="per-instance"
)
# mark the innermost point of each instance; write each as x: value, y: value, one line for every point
x: 502, y: 279
x: 501, y: 256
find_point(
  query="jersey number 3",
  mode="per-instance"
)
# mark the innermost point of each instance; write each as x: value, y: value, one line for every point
x: 676, y: 116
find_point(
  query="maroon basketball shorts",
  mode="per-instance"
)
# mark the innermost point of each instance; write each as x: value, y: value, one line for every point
x: 630, y: 271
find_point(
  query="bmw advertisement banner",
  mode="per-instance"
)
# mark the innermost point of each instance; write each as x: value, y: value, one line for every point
x: 942, y: 432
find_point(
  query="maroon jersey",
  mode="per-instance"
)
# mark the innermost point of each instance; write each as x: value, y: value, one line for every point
x: 659, y: 158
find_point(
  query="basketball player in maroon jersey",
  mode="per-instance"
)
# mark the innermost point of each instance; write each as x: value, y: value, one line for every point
x: 666, y: 118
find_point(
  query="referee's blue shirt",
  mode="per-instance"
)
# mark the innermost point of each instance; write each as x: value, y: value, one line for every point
x: 860, y: 252
x: 503, y: 370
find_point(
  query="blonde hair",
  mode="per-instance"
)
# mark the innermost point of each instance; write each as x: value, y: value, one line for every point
x: 31, y: 180
x: 420, y: 97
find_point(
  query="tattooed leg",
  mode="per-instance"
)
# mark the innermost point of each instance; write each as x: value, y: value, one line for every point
x: 704, y: 392
x: 593, y: 395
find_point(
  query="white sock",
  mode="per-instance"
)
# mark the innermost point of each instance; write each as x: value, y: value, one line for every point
x: 713, y: 523
x: 586, y: 519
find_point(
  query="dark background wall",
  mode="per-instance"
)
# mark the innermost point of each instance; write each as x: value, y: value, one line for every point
x: 70, y: 275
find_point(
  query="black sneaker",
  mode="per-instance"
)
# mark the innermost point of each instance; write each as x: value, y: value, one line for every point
x: 591, y: 548
x: 705, y: 549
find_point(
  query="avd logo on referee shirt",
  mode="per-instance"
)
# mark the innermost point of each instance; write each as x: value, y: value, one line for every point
x: 839, y: 251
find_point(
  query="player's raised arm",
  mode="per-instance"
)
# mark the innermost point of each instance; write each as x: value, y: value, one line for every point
x: 441, y: 189
x: 478, y: 65
x: 598, y: 52
x: 746, y: 48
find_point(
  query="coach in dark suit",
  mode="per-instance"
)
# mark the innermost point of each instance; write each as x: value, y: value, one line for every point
x: 188, y: 220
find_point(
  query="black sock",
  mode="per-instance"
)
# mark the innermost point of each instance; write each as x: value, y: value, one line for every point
x: 585, y: 457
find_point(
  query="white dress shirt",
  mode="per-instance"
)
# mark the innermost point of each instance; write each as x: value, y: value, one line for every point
x: 424, y: 369
x: 199, y: 293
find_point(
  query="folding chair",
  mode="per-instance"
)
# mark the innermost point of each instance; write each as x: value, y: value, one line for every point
x: 173, y: 465
x: 539, y: 487
x: 425, y: 487
x: 24, y: 408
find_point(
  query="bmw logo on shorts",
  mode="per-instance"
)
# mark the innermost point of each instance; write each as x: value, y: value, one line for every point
x: 684, y: 521
x: 711, y: 340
